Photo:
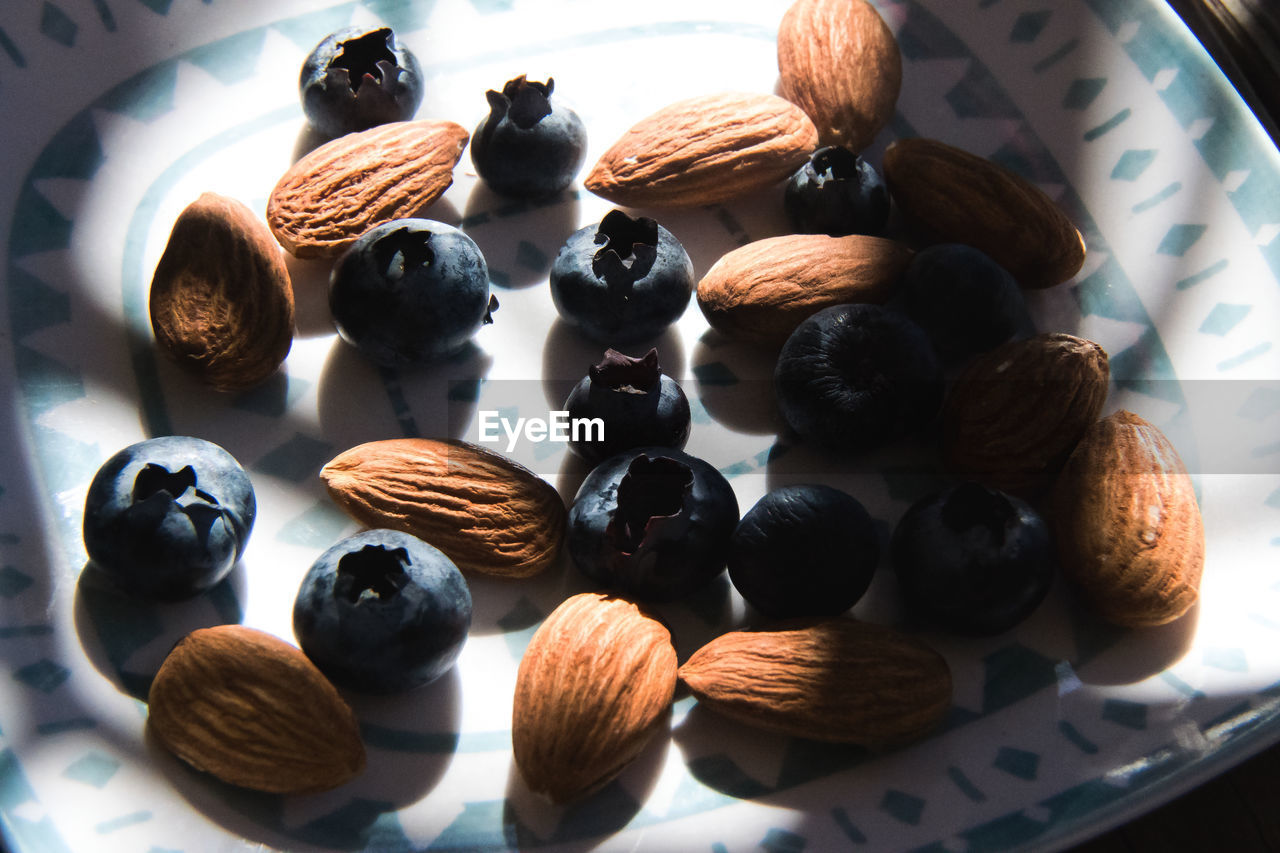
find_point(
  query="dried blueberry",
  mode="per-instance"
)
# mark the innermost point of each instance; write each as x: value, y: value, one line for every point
x: 528, y: 146
x: 410, y: 291
x: 965, y: 301
x: 167, y: 518
x: 357, y: 78
x: 622, y: 280
x: 972, y: 559
x: 837, y: 193
x: 653, y: 523
x: 804, y: 551
x: 382, y: 611
x: 636, y: 403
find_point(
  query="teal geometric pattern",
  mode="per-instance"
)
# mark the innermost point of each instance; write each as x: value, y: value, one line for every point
x: 1017, y: 762
x: 1028, y: 26
x: 94, y: 769
x: 1180, y: 238
x: 1083, y: 92
x: 1132, y: 164
x: 57, y: 25
x: 1223, y: 318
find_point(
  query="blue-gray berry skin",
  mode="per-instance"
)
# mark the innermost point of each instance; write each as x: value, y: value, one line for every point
x: 528, y: 146
x: 806, y: 550
x: 167, y: 518
x: 382, y: 612
x: 410, y: 292
x: 622, y: 280
x: 965, y: 301
x: 636, y: 403
x: 836, y: 192
x: 355, y: 79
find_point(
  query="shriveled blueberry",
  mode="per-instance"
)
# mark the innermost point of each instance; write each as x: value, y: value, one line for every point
x: 410, y: 291
x: 528, y: 146
x: 972, y: 559
x: 382, y: 611
x: 965, y: 301
x: 653, y: 523
x: 837, y: 193
x: 637, y: 405
x: 804, y: 550
x: 357, y: 78
x: 167, y: 518
x: 622, y: 280
x: 853, y: 377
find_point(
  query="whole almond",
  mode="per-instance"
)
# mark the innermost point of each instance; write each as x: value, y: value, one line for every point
x: 959, y: 197
x: 1014, y: 414
x: 1127, y: 524
x: 221, y: 303
x: 485, y: 512
x: 839, y: 61
x: 704, y: 150
x: 348, y: 185
x: 836, y: 680
x: 760, y: 292
x: 593, y: 688
x: 253, y: 711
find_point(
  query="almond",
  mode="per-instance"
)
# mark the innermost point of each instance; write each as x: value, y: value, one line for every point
x: 704, y: 150
x: 593, y: 688
x: 959, y: 197
x: 350, y: 184
x: 253, y: 711
x: 760, y: 292
x: 221, y: 303
x: 1014, y: 414
x: 1127, y: 524
x: 839, y: 61
x: 486, y: 513
x: 836, y: 680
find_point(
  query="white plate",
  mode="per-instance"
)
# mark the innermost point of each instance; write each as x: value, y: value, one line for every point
x: 117, y: 114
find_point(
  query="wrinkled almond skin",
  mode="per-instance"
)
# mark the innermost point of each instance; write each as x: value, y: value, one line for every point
x: 704, y: 150
x: 350, y: 184
x: 1014, y: 414
x: 959, y: 197
x: 594, y: 686
x: 1127, y: 524
x: 760, y: 292
x: 839, y: 61
x: 221, y: 303
x: 835, y: 680
x: 253, y: 711
x: 486, y: 513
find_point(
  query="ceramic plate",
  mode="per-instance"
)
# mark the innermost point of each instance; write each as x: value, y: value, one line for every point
x: 118, y: 113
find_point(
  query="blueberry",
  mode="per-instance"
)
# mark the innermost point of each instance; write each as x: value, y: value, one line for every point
x: 636, y: 403
x: 653, y: 523
x: 972, y: 559
x: 853, y: 377
x: 410, y: 291
x: 622, y: 280
x: 804, y: 551
x: 167, y: 518
x: 528, y: 146
x: 836, y: 193
x: 357, y: 78
x: 966, y: 302
x: 382, y: 612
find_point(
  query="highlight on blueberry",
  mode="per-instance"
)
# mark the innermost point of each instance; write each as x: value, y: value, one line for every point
x: 637, y: 403
x: 621, y: 280
x: 836, y: 193
x: 167, y: 518
x: 382, y: 611
x: 528, y: 146
x: 357, y: 78
x: 965, y: 301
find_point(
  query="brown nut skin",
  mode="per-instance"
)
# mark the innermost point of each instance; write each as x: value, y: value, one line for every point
x: 1127, y: 524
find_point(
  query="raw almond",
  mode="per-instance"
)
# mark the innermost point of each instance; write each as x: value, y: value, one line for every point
x: 836, y: 680
x: 488, y: 514
x: 593, y: 688
x: 221, y: 303
x: 1014, y: 414
x: 704, y: 150
x: 760, y: 292
x: 959, y: 197
x: 1127, y: 524
x: 839, y: 61
x: 253, y: 711
x: 350, y: 184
